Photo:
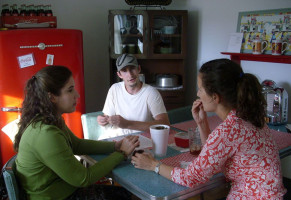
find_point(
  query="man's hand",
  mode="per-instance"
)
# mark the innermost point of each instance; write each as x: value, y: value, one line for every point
x: 102, y: 120
x: 117, y: 120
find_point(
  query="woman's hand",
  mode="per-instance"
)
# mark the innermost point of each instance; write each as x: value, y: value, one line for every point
x: 144, y: 161
x: 200, y: 117
x: 198, y: 112
x: 128, y: 144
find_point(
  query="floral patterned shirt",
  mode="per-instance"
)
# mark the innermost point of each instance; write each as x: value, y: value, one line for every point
x: 247, y: 155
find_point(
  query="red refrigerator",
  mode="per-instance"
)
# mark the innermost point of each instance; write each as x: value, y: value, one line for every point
x: 22, y: 54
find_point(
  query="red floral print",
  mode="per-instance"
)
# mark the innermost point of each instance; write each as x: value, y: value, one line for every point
x: 248, y: 157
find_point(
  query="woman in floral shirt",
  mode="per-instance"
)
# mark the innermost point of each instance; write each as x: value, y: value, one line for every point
x: 241, y: 147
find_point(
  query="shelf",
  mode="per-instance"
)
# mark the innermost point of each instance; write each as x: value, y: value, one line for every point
x: 132, y: 35
x: 16, y: 22
x: 237, y: 57
x: 168, y: 35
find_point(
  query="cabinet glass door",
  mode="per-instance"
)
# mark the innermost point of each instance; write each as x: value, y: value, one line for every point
x: 167, y: 34
x: 128, y: 34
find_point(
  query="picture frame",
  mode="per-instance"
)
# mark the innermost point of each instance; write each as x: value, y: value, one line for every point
x: 268, y: 25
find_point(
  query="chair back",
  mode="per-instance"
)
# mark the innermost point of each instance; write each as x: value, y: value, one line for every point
x: 13, y: 190
x: 180, y: 114
x: 91, y: 129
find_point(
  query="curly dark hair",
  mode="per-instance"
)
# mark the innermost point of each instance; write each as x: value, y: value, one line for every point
x: 37, y: 105
x: 238, y: 90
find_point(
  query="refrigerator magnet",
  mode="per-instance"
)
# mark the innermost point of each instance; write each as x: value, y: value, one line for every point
x: 49, y: 59
x: 26, y: 60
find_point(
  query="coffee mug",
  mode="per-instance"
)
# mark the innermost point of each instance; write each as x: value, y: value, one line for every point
x: 279, y: 47
x: 259, y: 46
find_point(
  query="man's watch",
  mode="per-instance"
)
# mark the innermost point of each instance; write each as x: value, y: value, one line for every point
x: 157, y: 167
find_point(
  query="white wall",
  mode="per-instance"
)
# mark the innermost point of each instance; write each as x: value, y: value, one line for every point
x: 215, y: 21
x: 209, y: 25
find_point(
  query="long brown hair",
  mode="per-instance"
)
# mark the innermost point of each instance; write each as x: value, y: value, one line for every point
x: 37, y: 105
x: 238, y: 90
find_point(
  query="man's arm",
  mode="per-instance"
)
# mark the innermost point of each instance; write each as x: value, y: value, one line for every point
x: 119, y: 121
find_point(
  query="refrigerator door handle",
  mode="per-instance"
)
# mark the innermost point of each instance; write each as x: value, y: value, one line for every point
x: 41, y: 46
x: 11, y: 109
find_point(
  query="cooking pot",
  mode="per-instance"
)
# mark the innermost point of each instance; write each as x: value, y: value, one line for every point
x: 167, y: 80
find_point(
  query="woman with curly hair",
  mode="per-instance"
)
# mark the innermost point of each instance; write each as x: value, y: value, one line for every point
x: 45, y: 165
x: 241, y: 147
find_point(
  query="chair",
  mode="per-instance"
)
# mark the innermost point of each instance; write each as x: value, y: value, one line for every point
x: 180, y: 114
x: 12, y: 186
x: 91, y: 129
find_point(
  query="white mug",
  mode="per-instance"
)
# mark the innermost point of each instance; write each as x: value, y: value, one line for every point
x: 258, y: 46
x: 279, y: 47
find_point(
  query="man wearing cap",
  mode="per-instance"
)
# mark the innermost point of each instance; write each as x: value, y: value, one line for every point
x: 131, y: 105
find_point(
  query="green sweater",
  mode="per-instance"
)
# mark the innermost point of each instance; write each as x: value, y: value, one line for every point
x: 46, y: 165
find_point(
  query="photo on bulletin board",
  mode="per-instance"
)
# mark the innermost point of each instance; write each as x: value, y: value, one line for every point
x: 268, y: 25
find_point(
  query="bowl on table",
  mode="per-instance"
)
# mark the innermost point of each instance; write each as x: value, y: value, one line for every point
x: 182, y: 139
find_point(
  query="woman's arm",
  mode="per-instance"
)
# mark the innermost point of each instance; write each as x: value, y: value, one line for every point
x: 148, y: 162
x: 84, y: 146
x: 55, y: 152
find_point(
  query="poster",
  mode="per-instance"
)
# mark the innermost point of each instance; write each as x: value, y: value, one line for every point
x: 268, y: 25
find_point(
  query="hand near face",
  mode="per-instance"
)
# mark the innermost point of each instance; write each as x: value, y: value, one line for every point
x: 117, y: 120
x: 198, y: 111
x: 129, y: 143
x: 102, y: 120
x: 144, y: 161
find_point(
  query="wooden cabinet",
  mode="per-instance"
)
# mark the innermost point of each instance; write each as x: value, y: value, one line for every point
x: 158, y: 40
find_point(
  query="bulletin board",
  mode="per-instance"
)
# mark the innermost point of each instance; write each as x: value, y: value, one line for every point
x: 268, y: 25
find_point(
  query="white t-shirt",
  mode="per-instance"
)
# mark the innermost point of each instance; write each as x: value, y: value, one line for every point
x: 142, y: 106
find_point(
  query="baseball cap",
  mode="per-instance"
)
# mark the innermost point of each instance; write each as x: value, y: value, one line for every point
x: 126, y: 60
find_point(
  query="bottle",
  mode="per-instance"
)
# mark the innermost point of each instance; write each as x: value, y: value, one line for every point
x: 5, y: 10
x: 195, y: 143
x: 40, y: 11
x: 48, y: 11
x: 14, y: 11
x: 22, y: 10
x: 32, y: 11
x: 28, y: 10
x: 37, y: 10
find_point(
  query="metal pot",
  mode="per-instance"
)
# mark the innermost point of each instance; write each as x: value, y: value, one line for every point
x: 167, y: 80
